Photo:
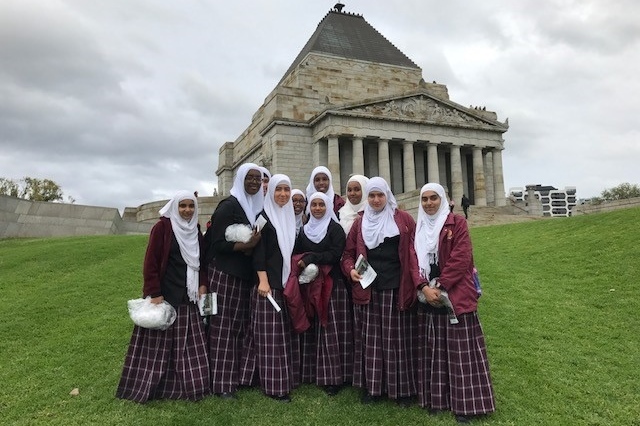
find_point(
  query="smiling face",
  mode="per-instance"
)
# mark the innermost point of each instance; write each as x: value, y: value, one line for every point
x: 265, y: 184
x: 321, y: 182
x: 186, y: 208
x: 318, y: 208
x: 430, y: 202
x: 354, y: 192
x: 282, y: 194
x: 253, y: 182
x: 298, y: 204
x: 377, y: 200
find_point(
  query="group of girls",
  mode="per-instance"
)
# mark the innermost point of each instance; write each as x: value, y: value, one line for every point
x: 274, y: 330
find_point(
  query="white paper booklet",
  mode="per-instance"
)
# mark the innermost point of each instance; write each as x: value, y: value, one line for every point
x: 208, y: 304
x: 367, y: 274
x: 260, y: 222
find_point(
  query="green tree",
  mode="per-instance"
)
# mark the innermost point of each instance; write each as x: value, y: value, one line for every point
x: 32, y: 189
x: 621, y: 192
x: 9, y: 187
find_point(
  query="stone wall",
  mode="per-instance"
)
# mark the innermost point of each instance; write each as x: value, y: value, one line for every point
x: 21, y: 218
x: 605, y: 207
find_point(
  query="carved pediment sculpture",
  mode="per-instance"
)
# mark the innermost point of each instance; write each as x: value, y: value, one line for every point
x: 419, y: 108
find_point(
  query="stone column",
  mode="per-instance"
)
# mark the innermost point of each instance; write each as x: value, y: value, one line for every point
x: 409, y: 169
x: 432, y: 163
x: 479, y: 191
x: 488, y: 174
x: 498, y: 179
x: 358, y: 156
x: 333, y: 161
x: 384, y: 166
x: 316, y: 153
x: 456, y: 175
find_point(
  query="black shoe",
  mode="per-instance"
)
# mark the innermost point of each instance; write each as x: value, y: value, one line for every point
x: 433, y: 411
x: 369, y: 399
x: 281, y: 398
x: 227, y: 395
x: 404, y: 401
x: 463, y: 419
x: 332, y: 390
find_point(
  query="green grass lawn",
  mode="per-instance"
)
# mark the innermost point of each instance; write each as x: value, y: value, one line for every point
x: 560, y: 310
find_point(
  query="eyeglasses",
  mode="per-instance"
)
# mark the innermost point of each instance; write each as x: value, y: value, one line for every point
x: 249, y: 178
x: 298, y: 201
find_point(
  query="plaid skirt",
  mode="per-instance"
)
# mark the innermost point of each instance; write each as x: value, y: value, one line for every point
x: 454, y: 370
x: 385, y: 347
x: 271, y: 353
x: 327, y: 352
x: 168, y: 364
x: 227, y: 329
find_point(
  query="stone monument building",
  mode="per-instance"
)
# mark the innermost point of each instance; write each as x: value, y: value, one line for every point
x: 355, y: 103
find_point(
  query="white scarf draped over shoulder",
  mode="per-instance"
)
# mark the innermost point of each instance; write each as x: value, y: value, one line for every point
x: 349, y: 212
x: 283, y: 220
x: 316, y: 229
x: 251, y: 204
x: 428, y: 229
x: 186, y: 233
x: 378, y: 225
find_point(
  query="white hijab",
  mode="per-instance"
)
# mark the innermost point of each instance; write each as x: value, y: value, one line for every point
x: 378, y: 225
x: 316, y: 229
x: 283, y: 220
x: 349, y: 212
x: 428, y: 229
x: 311, y: 188
x: 299, y: 217
x: 251, y: 204
x: 187, y: 236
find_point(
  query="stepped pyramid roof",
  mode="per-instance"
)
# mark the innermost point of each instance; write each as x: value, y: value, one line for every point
x: 349, y: 36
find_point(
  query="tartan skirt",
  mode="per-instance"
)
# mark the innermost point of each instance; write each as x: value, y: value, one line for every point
x: 227, y: 329
x: 385, y: 347
x: 454, y: 369
x: 271, y: 353
x: 169, y: 364
x: 327, y: 352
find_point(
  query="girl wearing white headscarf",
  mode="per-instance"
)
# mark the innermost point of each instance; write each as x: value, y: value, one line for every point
x: 171, y: 363
x: 354, y: 205
x: 322, y: 181
x: 385, y: 327
x: 446, y: 350
x: 231, y: 275
x: 299, y: 208
x: 327, y: 347
x: 274, y: 347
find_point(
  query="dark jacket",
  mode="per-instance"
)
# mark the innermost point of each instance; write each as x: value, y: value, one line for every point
x: 157, y: 255
x: 410, y: 279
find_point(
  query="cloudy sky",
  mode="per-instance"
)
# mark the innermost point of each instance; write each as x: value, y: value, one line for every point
x: 123, y: 102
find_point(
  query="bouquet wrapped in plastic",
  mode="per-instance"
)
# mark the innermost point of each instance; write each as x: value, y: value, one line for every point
x: 308, y: 274
x: 238, y: 232
x: 149, y: 315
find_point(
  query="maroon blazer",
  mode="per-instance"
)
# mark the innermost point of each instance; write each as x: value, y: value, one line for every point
x: 455, y: 258
x: 157, y: 256
x: 410, y: 279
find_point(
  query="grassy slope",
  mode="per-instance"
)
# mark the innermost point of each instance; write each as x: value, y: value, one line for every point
x: 560, y: 313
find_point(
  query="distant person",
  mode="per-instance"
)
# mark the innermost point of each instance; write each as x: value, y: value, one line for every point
x: 266, y: 175
x: 172, y: 363
x: 231, y: 276
x: 355, y: 201
x: 453, y: 365
x: 322, y: 181
x: 299, y: 201
x: 465, y: 206
x: 452, y: 204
